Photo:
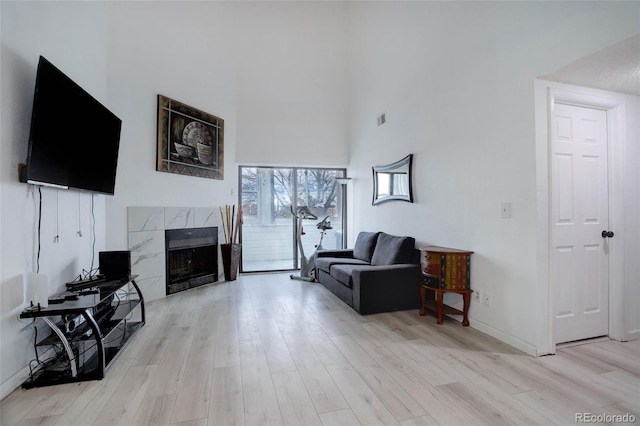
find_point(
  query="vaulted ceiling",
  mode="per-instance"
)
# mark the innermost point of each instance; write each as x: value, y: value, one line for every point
x: 615, y: 68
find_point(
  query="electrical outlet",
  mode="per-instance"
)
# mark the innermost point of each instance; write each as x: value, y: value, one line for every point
x: 477, y: 297
x: 487, y: 299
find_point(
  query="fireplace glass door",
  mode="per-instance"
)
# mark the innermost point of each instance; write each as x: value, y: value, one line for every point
x: 192, y: 257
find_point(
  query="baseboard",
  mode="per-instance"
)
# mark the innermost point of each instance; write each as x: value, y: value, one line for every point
x: 13, y: 382
x: 582, y: 342
x: 633, y: 335
x: 525, y: 347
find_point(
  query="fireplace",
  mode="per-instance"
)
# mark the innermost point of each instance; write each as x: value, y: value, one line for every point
x: 192, y: 258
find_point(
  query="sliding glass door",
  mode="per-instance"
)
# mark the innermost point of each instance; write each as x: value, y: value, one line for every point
x: 273, y: 199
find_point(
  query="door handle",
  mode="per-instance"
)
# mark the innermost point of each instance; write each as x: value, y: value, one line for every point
x: 607, y: 234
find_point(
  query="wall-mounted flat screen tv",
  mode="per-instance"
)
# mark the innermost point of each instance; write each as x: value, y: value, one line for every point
x: 74, y: 139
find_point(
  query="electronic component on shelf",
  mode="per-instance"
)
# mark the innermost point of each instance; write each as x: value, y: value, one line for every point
x: 82, y: 284
x: 69, y: 296
x: 115, y: 265
x: 72, y: 322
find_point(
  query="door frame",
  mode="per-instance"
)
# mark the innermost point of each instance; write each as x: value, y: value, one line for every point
x: 546, y: 94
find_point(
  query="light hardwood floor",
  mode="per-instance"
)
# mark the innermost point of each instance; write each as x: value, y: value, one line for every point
x: 268, y: 350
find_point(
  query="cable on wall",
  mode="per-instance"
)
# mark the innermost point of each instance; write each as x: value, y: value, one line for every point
x: 39, y: 229
x: 57, y: 237
x: 93, y: 234
x: 79, y: 232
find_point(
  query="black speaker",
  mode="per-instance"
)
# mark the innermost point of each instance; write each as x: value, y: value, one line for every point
x: 115, y: 265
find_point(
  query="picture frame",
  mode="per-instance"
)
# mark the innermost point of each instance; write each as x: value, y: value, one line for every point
x: 190, y: 141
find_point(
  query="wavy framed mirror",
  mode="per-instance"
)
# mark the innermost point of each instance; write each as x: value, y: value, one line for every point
x: 392, y: 182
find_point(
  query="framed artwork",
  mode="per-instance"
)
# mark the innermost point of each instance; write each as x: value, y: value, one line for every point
x: 190, y: 141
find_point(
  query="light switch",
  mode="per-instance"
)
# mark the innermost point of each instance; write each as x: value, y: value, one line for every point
x: 505, y: 210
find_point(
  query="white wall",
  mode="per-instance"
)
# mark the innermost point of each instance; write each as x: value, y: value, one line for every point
x: 182, y: 51
x: 74, y: 37
x: 456, y: 82
x: 292, y: 77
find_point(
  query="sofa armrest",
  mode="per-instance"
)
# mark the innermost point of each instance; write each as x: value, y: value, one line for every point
x: 342, y: 253
x: 386, y: 288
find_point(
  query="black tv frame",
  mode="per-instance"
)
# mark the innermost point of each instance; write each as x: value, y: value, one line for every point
x: 74, y: 139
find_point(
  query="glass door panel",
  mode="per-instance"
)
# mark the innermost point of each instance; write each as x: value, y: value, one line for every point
x: 266, y: 231
x: 319, y: 191
x: 269, y: 229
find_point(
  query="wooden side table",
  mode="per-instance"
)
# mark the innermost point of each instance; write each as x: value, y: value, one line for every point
x: 437, y: 305
x: 445, y: 270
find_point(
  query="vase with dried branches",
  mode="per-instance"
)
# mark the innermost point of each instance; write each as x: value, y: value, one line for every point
x: 230, y: 250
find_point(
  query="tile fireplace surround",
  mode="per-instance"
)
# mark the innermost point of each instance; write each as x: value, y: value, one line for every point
x: 146, y: 226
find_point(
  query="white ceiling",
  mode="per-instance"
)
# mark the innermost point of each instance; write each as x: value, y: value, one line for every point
x: 615, y: 68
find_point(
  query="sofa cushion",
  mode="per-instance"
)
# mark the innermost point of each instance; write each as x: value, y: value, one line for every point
x: 342, y: 273
x: 325, y: 263
x: 391, y: 250
x: 365, y: 245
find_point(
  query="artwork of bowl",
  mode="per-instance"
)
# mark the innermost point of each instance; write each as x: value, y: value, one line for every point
x: 195, y: 133
x: 205, y: 153
x: 184, y: 151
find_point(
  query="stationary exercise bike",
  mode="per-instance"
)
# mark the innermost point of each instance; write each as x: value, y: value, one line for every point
x: 307, y: 266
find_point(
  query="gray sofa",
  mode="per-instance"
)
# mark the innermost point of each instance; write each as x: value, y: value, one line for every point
x: 380, y: 274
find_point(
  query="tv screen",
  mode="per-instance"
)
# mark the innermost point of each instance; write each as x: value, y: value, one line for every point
x: 74, y: 139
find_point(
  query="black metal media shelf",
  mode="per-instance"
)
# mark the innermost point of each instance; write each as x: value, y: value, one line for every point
x: 92, y: 330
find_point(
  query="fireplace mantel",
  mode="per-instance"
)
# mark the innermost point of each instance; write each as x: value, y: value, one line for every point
x: 146, y: 235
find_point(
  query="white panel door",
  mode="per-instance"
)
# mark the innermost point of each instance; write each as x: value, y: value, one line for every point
x: 579, y: 211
